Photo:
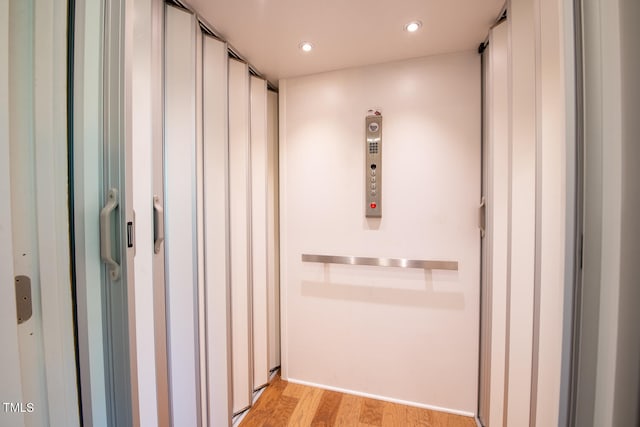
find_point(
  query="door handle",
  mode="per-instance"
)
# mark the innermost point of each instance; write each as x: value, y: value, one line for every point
x: 105, y: 234
x: 158, y: 224
x: 482, y: 220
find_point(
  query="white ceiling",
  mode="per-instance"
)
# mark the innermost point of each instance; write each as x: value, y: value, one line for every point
x: 345, y: 33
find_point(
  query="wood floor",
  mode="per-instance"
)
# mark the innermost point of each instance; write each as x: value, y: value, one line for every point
x: 287, y: 404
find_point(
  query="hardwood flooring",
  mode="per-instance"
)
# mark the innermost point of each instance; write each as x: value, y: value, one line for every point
x: 284, y: 404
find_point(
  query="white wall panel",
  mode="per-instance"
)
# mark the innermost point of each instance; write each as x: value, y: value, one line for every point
x: 88, y: 136
x: 239, y: 199
x: 401, y: 334
x: 33, y: 145
x: 10, y: 354
x: 216, y: 220
x: 142, y: 156
x: 201, y: 295
x: 51, y: 179
x: 555, y: 133
x: 527, y: 120
x: 522, y: 210
x: 497, y: 146
x: 23, y: 202
x: 273, y: 231
x: 259, y: 229
x: 180, y: 213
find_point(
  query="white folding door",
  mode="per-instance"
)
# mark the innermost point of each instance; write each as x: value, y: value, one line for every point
x: 264, y: 231
x: 240, y: 244
x: 273, y: 232
x: 220, y: 234
x: 196, y: 180
x: 495, y: 190
x: 38, y: 383
x: 259, y: 180
x: 216, y: 229
x: 181, y: 278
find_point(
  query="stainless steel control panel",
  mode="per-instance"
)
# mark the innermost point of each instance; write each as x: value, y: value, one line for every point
x: 373, y: 166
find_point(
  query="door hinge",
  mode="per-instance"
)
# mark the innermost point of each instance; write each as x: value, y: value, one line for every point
x: 24, y: 308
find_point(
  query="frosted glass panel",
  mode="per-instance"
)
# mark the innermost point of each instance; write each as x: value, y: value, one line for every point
x: 239, y: 181
x: 180, y: 211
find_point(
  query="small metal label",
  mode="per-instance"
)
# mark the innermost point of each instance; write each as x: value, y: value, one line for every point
x: 23, y: 298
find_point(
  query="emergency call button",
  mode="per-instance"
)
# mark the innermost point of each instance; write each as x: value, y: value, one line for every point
x: 373, y: 205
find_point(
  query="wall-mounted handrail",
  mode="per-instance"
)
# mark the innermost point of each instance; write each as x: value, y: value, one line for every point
x: 382, y: 262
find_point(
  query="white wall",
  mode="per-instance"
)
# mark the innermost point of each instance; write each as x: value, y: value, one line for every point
x: 404, y: 334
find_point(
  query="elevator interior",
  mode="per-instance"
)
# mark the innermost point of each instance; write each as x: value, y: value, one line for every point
x: 241, y: 204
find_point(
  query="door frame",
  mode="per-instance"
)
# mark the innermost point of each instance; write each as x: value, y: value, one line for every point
x: 9, y: 356
x: 52, y: 250
x: 101, y: 149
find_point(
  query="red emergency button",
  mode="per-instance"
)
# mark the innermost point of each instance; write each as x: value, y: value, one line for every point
x: 373, y: 205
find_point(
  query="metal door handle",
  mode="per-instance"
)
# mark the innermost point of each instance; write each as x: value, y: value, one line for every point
x: 482, y: 220
x: 158, y: 224
x: 105, y: 234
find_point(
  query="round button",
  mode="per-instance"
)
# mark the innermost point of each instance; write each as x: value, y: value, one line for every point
x: 373, y: 127
x: 373, y: 179
x: 373, y: 205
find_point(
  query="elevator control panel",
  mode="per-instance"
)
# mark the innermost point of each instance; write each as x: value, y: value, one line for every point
x: 373, y: 165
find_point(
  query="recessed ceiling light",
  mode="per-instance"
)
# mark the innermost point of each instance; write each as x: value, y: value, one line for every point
x: 413, y: 26
x: 305, y: 46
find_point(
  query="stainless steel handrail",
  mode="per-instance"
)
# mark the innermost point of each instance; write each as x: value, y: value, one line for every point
x: 382, y: 262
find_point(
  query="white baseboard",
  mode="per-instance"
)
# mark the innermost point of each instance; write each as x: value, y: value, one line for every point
x: 384, y: 398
